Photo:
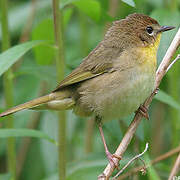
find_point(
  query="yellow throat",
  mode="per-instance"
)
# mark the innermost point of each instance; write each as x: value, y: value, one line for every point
x: 149, y: 54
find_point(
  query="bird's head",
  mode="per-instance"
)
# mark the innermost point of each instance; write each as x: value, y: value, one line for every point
x: 135, y: 30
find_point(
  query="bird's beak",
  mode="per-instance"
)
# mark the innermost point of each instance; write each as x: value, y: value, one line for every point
x: 165, y: 28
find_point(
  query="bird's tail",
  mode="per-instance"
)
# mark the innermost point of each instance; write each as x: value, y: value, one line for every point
x: 47, y: 99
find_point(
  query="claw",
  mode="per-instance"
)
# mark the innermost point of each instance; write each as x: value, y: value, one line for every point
x: 156, y: 91
x: 117, y: 156
x: 144, y: 111
x: 112, y: 161
x: 101, y: 176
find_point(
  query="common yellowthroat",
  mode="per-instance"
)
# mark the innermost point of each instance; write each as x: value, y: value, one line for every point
x: 114, y: 79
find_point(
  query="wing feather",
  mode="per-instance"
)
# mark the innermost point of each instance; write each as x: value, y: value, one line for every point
x: 99, y: 61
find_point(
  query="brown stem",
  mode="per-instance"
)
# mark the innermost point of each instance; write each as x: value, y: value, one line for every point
x: 175, y: 168
x: 28, y: 26
x: 137, y: 119
x: 113, y: 11
x: 113, y: 7
x: 26, y: 32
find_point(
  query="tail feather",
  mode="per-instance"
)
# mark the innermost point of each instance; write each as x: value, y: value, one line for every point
x: 28, y: 105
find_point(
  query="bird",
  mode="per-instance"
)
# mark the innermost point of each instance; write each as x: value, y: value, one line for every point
x: 114, y: 79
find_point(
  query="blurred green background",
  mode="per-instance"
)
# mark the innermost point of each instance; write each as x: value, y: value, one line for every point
x: 34, y: 74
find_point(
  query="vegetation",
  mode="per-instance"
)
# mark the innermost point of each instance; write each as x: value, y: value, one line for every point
x: 47, y: 145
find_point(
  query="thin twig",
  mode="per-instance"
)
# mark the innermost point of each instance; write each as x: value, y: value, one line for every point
x: 175, y: 168
x: 177, y: 58
x: 133, y: 159
x: 156, y: 160
x: 137, y: 119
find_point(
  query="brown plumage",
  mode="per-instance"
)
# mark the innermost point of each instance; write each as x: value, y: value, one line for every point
x: 114, y: 79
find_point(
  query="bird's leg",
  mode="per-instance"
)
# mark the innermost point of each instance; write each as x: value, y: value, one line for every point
x: 144, y: 111
x: 108, y: 154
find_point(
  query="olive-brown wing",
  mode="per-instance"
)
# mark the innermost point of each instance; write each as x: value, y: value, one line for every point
x: 99, y: 61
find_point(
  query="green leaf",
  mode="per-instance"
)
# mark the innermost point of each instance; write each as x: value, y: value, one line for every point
x: 129, y: 2
x: 91, y: 8
x: 5, y: 133
x: 9, y: 57
x: 44, y: 31
x: 165, y: 98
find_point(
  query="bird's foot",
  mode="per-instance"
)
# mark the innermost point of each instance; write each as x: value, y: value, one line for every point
x: 156, y: 91
x: 144, y: 111
x: 112, y: 161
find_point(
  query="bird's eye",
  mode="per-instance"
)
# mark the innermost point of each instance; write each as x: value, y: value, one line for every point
x: 149, y: 30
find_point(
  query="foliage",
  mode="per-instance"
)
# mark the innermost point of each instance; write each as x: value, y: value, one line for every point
x: 33, y: 65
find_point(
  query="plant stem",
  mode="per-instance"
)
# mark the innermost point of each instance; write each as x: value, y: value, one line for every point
x: 60, y: 75
x: 8, y: 89
x: 175, y: 168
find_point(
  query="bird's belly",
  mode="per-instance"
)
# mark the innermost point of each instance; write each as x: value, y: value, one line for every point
x: 128, y: 99
x: 117, y: 95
